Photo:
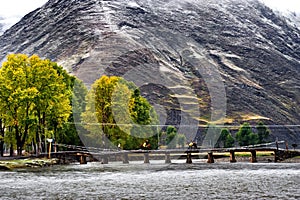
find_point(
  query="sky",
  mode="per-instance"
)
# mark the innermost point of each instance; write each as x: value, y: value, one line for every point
x: 10, y: 8
x: 291, y: 5
x: 13, y: 10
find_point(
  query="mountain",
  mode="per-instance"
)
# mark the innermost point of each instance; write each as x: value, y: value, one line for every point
x: 292, y: 17
x: 198, y: 61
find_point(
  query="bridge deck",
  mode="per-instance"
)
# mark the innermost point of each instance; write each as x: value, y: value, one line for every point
x: 164, y: 151
x: 105, y: 155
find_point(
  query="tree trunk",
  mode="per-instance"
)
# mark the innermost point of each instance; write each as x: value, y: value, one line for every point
x: 38, y: 134
x: 37, y: 142
x: 11, y: 150
x: 41, y: 132
x: 1, y: 148
x: 23, y: 136
x: 20, y: 139
x: 2, y: 128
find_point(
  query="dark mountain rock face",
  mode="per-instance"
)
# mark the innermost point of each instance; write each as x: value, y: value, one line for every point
x: 225, y: 61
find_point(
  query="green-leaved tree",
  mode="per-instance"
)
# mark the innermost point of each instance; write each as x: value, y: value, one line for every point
x: 262, y: 132
x: 245, y: 136
x: 225, y: 140
x: 171, y: 137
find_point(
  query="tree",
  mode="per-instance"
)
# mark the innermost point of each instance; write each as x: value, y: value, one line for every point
x: 225, y: 140
x: 245, y: 136
x: 2, y: 134
x: 171, y: 137
x: 229, y: 141
x: 33, y: 95
x: 222, y: 139
x: 181, y: 139
x: 253, y: 139
x: 52, y: 105
x: 117, y: 113
x: 67, y: 133
x: 17, y: 96
x: 211, y: 135
x: 263, y: 132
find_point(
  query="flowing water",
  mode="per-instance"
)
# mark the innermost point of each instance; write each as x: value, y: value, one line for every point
x: 155, y: 181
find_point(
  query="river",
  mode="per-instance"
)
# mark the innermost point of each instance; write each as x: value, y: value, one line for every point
x: 155, y: 181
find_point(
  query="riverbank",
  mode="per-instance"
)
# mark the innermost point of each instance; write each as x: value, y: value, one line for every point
x: 10, y: 164
x: 265, y: 159
x: 292, y: 160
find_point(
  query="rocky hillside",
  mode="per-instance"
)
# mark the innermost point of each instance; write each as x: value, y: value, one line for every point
x: 225, y: 61
x: 292, y: 17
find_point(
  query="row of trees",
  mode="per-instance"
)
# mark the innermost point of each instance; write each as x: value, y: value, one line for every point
x: 171, y: 138
x: 40, y: 100
x: 219, y: 137
x: 246, y: 135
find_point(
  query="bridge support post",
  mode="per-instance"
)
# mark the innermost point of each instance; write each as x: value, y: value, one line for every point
x: 83, y: 160
x: 253, y: 157
x: 105, y: 160
x: 210, y: 158
x: 232, y: 157
x: 189, y: 158
x: 125, y: 158
x: 276, y: 155
x: 64, y: 158
x: 146, y: 158
x: 167, y: 158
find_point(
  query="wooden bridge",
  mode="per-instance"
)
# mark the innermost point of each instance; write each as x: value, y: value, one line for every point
x: 106, y: 155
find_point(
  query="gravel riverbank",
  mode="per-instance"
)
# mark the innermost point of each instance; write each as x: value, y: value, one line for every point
x: 10, y: 164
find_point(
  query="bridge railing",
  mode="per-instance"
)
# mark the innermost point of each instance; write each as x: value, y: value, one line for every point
x: 96, y: 150
x: 83, y: 148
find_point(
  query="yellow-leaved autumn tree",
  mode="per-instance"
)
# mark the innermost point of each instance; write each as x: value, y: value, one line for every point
x: 116, y: 113
x: 33, y: 94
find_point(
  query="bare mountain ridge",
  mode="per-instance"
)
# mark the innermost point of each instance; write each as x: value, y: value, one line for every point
x: 236, y: 60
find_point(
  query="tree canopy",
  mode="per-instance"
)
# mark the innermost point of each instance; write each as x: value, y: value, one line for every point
x: 116, y: 114
x: 33, y: 94
x: 262, y: 132
x: 245, y: 136
x: 225, y: 140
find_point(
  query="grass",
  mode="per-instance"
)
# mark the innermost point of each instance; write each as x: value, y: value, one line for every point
x: 24, y: 163
x: 298, y: 157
